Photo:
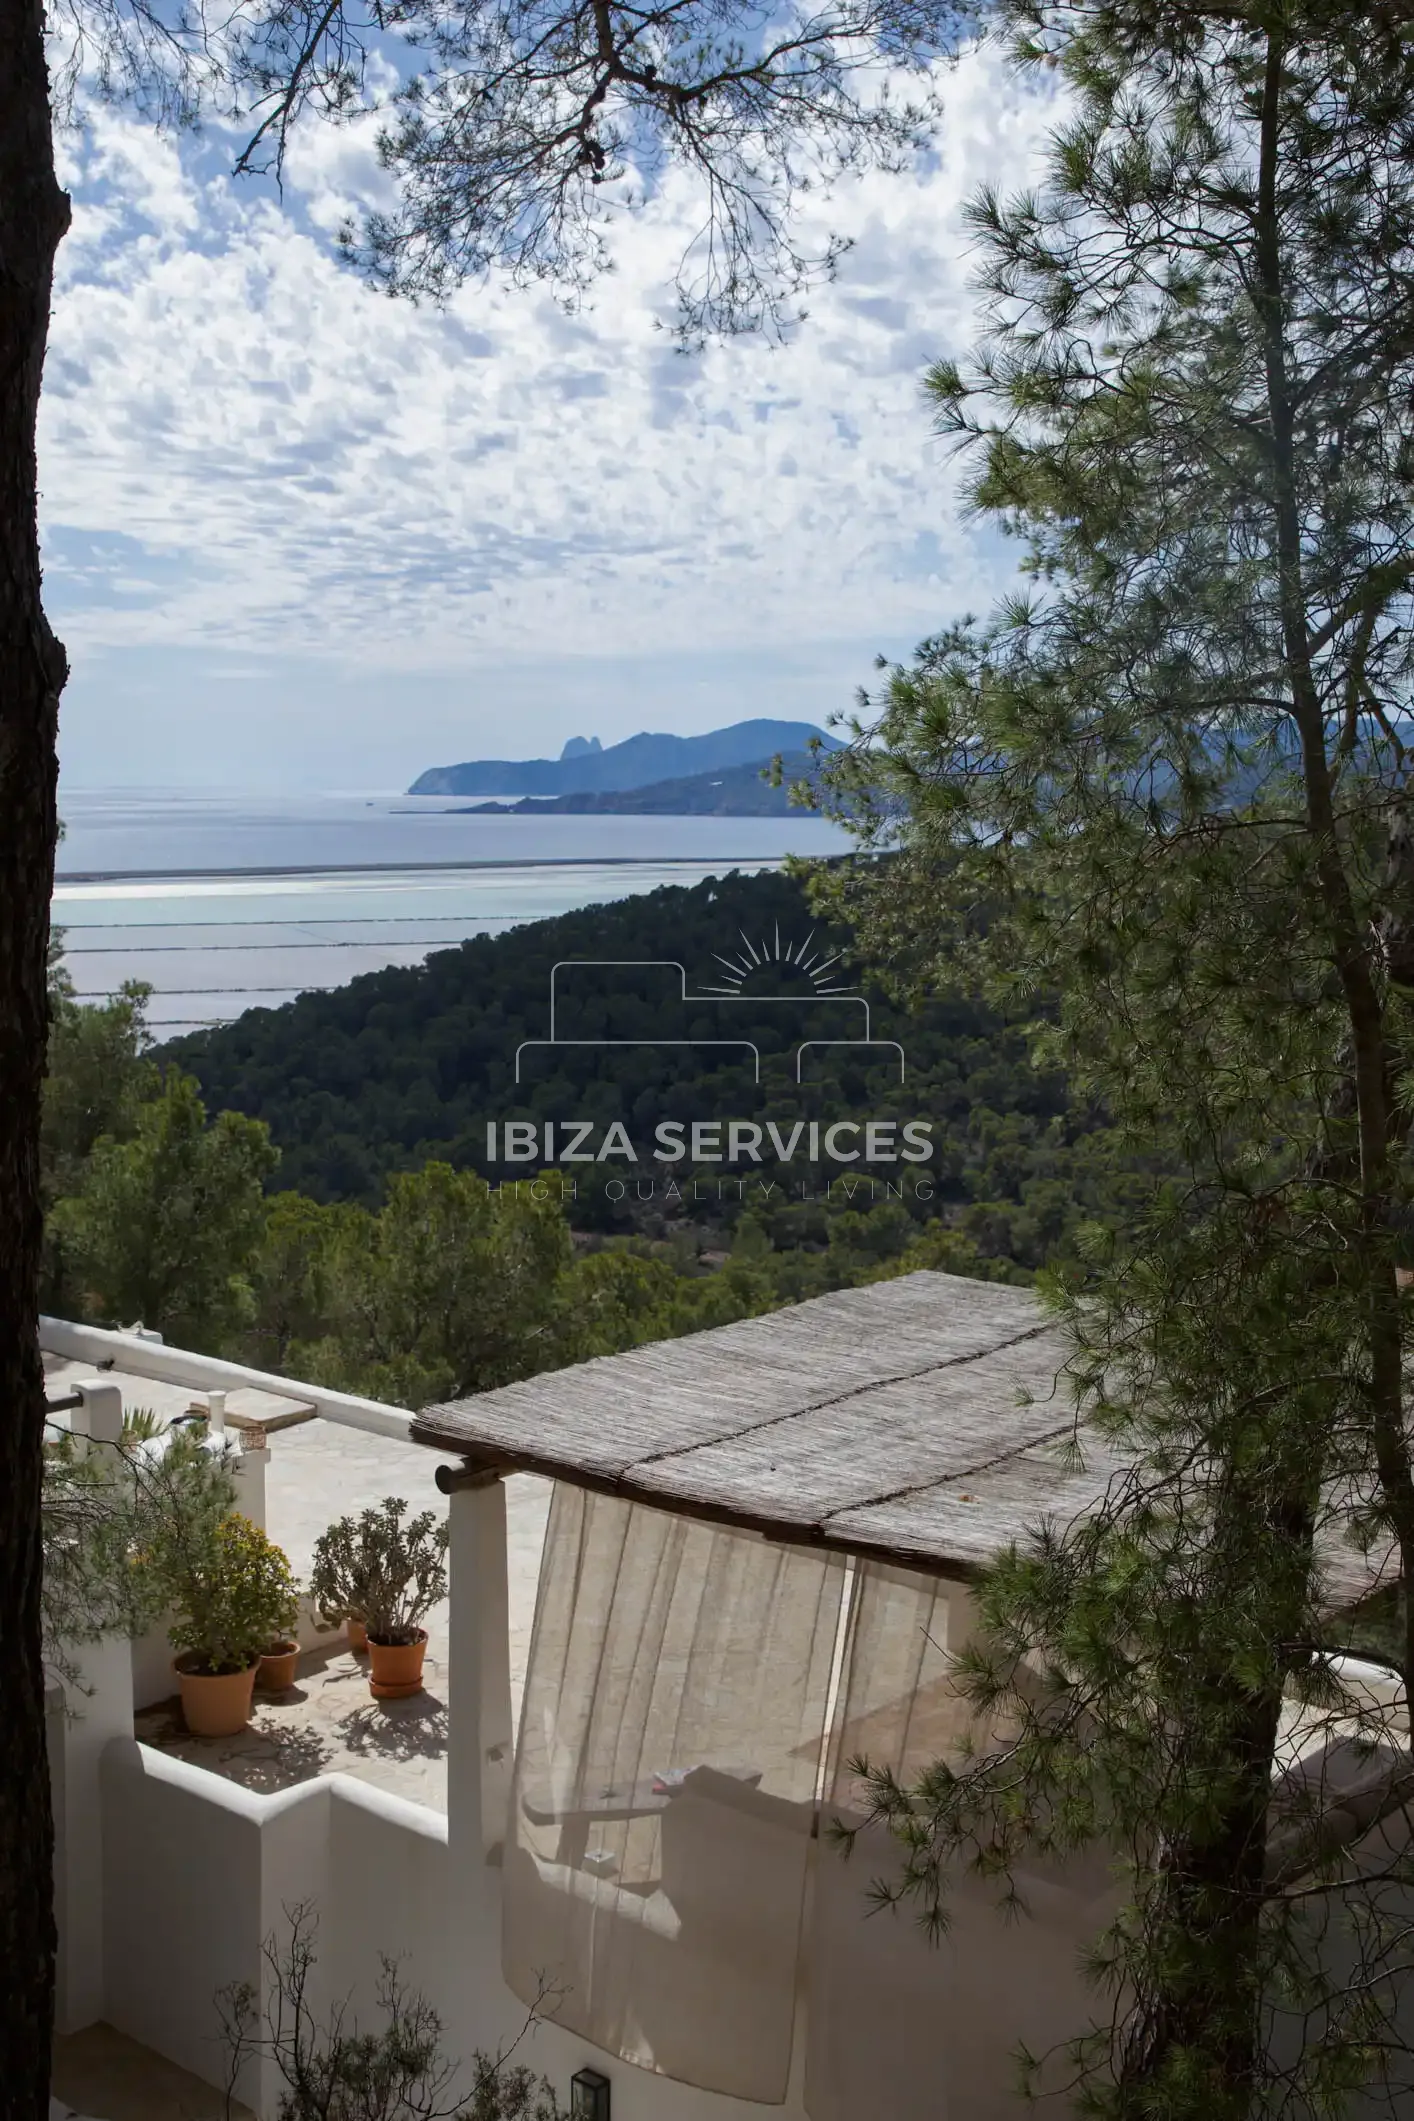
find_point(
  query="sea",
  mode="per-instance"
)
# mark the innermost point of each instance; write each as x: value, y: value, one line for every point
x: 225, y: 902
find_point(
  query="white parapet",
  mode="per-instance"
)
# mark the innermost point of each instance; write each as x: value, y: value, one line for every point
x: 91, y: 1706
x: 142, y: 1357
x: 198, y: 1873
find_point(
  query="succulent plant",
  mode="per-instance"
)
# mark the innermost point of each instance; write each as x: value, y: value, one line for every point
x: 381, y: 1570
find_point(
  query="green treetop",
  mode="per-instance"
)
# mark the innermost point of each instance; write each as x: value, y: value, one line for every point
x: 164, y: 1225
x: 1168, y: 785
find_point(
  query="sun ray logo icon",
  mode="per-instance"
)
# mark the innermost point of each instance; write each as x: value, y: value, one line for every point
x: 823, y: 971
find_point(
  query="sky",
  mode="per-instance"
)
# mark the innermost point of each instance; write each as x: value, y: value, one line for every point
x: 299, y: 537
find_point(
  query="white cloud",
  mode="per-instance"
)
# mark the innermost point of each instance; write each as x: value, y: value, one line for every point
x: 243, y: 448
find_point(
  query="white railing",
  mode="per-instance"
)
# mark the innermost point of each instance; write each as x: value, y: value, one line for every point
x: 142, y: 1357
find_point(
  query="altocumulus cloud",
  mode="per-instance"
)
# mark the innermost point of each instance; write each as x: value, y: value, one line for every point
x: 246, y: 450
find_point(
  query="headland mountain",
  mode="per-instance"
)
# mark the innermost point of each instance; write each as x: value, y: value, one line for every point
x: 587, y: 766
x: 732, y: 791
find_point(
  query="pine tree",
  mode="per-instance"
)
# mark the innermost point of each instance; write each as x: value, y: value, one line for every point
x: 1165, y: 792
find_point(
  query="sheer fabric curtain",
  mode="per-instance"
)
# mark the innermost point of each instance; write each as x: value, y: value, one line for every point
x: 902, y: 2028
x: 670, y: 1759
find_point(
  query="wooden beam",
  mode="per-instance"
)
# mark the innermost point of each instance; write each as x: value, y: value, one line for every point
x: 478, y: 1469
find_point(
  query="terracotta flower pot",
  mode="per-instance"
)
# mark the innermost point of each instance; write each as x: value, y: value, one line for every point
x: 358, y: 1638
x: 396, y: 1667
x: 214, y: 1706
x: 277, y: 1668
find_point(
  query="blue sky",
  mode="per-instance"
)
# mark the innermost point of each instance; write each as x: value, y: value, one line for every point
x: 298, y: 536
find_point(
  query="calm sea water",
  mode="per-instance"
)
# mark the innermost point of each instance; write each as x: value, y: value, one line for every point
x: 221, y: 903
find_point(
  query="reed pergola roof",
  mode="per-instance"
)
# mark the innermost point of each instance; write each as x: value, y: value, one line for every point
x: 921, y: 1420
x: 890, y: 1420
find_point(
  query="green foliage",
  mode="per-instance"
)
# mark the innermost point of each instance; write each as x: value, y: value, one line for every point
x: 336, y: 2070
x: 433, y: 1284
x: 91, y: 1530
x: 453, y: 1285
x: 108, y: 1512
x: 164, y: 1226
x: 294, y: 1277
x: 141, y: 1424
x: 412, y: 1063
x: 620, y: 1298
x: 98, y: 1077
x: 1169, y: 785
x: 228, y: 1585
x: 451, y: 1288
x: 380, y: 1570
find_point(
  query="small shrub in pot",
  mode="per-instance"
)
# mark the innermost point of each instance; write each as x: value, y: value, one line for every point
x: 232, y: 1595
x: 107, y: 1516
x: 387, y: 1570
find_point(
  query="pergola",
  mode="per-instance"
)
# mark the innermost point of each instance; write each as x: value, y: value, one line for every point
x: 757, y: 1567
x: 890, y: 1421
x: 755, y: 1571
x: 921, y: 1421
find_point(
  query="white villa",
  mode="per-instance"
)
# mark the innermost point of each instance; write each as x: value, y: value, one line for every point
x: 754, y: 1567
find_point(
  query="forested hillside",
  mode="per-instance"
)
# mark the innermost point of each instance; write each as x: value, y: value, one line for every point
x: 409, y: 1064
x: 306, y: 1189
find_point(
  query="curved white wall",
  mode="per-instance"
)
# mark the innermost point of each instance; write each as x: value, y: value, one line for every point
x: 198, y: 1871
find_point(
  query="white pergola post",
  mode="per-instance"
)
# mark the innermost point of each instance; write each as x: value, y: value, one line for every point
x: 480, y: 1738
x: 100, y: 1418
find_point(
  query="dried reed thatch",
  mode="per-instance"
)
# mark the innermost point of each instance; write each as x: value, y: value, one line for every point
x: 890, y: 1420
x: 923, y: 1420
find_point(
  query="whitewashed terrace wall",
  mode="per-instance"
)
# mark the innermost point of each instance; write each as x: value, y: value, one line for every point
x: 197, y: 1871
x: 170, y: 1877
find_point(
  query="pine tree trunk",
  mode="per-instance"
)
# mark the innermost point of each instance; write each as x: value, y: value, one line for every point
x: 34, y: 214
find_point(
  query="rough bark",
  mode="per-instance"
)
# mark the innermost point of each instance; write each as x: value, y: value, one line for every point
x: 1353, y: 950
x: 1213, y: 1885
x: 34, y: 214
x: 1391, y: 1432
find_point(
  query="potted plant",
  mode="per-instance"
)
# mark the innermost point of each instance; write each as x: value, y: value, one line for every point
x: 338, y: 1581
x: 388, y: 1573
x: 232, y: 1595
x: 279, y: 1658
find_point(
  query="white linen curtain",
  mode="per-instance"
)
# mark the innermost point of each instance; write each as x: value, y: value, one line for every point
x: 670, y: 1758
x: 899, y: 2027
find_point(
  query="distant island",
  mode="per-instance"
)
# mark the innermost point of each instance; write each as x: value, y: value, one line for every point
x: 736, y: 791
x: 586, y: 766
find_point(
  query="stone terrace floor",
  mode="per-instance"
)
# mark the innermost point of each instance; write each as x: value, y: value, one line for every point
x: 328, y: 1721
